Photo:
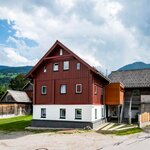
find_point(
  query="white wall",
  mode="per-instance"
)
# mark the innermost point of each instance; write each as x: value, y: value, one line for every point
x: 145, y: 98
x: 53, y: 112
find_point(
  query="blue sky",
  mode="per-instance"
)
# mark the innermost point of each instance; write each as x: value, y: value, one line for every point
x: 106, y: 33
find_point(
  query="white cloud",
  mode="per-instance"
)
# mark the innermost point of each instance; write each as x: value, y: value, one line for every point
x: 107, y: 8
x: 16, y: 59
x: 96, y: 31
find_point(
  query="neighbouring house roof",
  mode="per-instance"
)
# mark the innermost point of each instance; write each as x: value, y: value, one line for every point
x: 28, y: 86
x: 17, y: 96
x: 29, y: 75
x: 132, y: 78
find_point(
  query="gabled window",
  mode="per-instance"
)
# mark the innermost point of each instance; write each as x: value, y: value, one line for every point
x: 43, y: 90
x: 78, y: 113
x: 63, y: 89
x: 78, y: 88
x: 78, y: 66
x: 44, y: 70
x: 95, y: 89
x: 55, y: 67
x: 62, y: 113
x: 61, y: 52
x: 43, y: 112
x: 66, y: 65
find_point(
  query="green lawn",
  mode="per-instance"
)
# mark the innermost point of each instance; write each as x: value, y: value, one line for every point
x: 123, y: 132
x: 15, y: 123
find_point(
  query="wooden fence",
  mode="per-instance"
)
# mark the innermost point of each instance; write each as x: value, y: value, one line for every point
x: 144, y: 119
x: 14, y: 109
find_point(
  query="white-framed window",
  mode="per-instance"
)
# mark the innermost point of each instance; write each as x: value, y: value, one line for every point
x: 62, y: 113
x: 43, y: 112
x: 43, y: 90
x: 55, y: 67
x: 78, y: 88
x: 103, y: 112
x: 78, y: 66
x: 61, y: 52
x: 78, y: 113
x: 95, y: 89
x: 63, y: 89
x: 44, y: 70
x: 95, y: 113
x: 66, y: 65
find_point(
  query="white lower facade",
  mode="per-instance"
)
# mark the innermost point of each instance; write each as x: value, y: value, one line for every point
x: 90, y: 113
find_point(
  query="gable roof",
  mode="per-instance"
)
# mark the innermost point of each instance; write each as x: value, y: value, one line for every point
x: 29, y: 84
x: 69, y: 51
x: 18, y: 96
x: 132, y: 78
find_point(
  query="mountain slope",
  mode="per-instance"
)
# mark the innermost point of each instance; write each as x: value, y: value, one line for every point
x: 135, y: 66
x: 22, y: 69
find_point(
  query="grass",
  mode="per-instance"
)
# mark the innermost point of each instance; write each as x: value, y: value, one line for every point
x: 21, y: 122
x: 15, y: 123
x: 129, y: 131
x: 123, y: 132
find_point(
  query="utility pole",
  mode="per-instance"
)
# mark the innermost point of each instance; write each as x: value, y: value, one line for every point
x: 106, y: 73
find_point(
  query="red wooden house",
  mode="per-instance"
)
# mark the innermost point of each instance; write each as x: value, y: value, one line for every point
x: 67, y: 92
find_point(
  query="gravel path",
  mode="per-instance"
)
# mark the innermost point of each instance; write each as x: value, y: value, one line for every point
x: 76, y: 141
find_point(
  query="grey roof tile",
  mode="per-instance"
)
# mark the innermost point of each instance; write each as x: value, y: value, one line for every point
x: 132, y: 78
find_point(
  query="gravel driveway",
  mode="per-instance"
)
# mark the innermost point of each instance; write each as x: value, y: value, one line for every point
x: 76, y: 141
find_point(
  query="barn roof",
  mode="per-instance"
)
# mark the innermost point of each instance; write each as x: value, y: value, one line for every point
x: 18, y: 96
x: 132, y: 78
x: 29, y: 84
x: 29, y: 75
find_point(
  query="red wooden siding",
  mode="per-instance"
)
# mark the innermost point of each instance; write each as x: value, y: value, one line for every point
x: 97, y: 97
x: 53, y: 79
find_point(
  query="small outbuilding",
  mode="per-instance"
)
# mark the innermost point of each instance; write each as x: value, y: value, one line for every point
x: 14, y: 103
x: 114, y: 99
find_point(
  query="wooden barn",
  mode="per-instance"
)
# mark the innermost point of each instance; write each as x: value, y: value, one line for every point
x: 67, y: 92
x: 136, y: 91
x: 28, y: 88
x: 14, y: 103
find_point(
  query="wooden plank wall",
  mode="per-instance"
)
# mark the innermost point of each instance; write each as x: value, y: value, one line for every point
x: 144, y: 119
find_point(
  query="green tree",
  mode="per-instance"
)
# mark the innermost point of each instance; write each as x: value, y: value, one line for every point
x: 2, y: 90
x: 18, y: 82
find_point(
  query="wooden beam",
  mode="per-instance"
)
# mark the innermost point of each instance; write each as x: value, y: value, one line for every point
x: 58, y: 57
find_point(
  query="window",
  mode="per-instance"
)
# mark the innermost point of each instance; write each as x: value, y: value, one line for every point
x: 78, y: 113
x: 66, y: 65
x: 78, y: 88
x: 44, y: 70
x: 63, y: 89
x: 103, y: 112
x: 43, y: 112
x: 136, y: 92
x: 95, y: 113
x: 61, y: 52
x: 62, y: 113
x: 95, y: 89
x: 43, y: 90
x: 55, y: 67
x: 78, y: 66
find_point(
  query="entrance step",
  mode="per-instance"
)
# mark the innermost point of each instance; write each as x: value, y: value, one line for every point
x: 102, y: 126
x: 117, y: 127
x: 126, y: 128
x: 108, y: 126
